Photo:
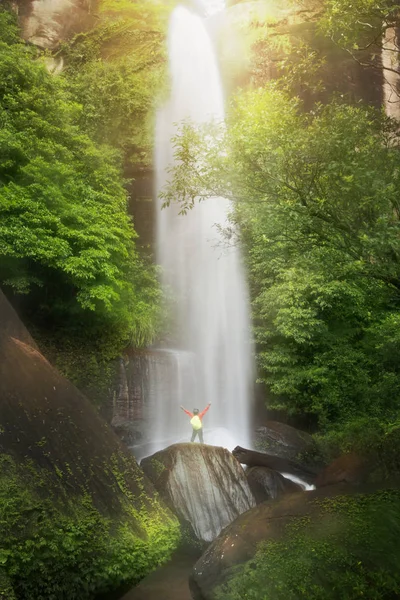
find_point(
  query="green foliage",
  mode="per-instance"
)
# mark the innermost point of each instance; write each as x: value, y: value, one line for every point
x: 112, y: 113
x: 363, y: 28
x: 351, y: 551
x: 54, y: 548
x: 323, y: 262
x: 295, y: 60
x: 318, y: 215
x: 88, y: 362
x: 8, y: 30
x: 85, y: 351
x: 158, y: 467
x: 65, y: 236
x: 117, y: 71
x: 376, y: 441
x: 6, y: 591
x: 359, y: 23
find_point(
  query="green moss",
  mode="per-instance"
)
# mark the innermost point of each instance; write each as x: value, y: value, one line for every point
x: 88, y: 363
x: 157, y: 467
x: 352, y: 550
x: 57, y: 547
x: 376, y: 440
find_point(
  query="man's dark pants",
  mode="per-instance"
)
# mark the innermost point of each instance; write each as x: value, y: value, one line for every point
x: 198, y: 432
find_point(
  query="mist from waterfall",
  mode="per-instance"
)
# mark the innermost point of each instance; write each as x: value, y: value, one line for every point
x: 214, y: 350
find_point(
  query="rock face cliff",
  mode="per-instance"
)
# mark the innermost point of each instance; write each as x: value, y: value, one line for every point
x: 72, y: 498
x: 46, y: 23
x: 204, y: 485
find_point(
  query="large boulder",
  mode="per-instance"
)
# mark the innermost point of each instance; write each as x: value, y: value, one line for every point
x: 267, y: 484
x: 302, y: 541
x: 168, y: 582
x: 298, y: 471
x: 347, y: 468
x: 130, y: 432
x: 203, y: 484
x: 77, y: 514
x: 378, y: 461
x: 283, y: 440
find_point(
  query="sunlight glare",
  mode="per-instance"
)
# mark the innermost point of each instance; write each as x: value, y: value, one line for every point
x: 213, y: 6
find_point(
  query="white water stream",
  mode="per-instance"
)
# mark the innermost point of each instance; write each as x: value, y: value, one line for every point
x: 207, y: 280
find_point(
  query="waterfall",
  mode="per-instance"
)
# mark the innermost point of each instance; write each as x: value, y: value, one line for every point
x: 212, y: 324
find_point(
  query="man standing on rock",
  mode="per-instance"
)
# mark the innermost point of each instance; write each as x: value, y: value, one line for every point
x: 195, y: 421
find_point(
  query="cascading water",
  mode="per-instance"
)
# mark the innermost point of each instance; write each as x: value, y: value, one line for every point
x: 207, y: 280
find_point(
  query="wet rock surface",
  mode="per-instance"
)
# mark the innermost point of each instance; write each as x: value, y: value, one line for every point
x: 202, y: 484
x: 45, y: 418
x: 348, y: 468
x: 267, y: 484
x: 128, y: 432
x: 169, y: 582
x: 238, y: 542
x: 252, y: 458
x: 64, y: 470
x: 282, y: 440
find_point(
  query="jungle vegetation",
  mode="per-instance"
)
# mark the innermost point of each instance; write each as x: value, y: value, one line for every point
x: 312, y: 167
x: 309, y: 160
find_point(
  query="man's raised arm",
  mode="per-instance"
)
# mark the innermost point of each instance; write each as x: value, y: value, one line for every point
x: 203, y: 412
x: 187, y: 411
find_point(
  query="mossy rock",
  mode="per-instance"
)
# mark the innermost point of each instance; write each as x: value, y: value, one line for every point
x: 77, y: 515
x: 54, y: 546
x: 340, y: 543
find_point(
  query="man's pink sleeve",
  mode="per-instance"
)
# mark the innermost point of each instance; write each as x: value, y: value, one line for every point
x: 188, y: 412
x: 203, y: 412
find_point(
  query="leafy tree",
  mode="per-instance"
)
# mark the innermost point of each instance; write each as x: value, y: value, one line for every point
x: 65, y: 236
x: 360, y: 23
x: 117, y: 72
x: 320, y: 49
x: 368, y: 31
x: 317, y: 211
